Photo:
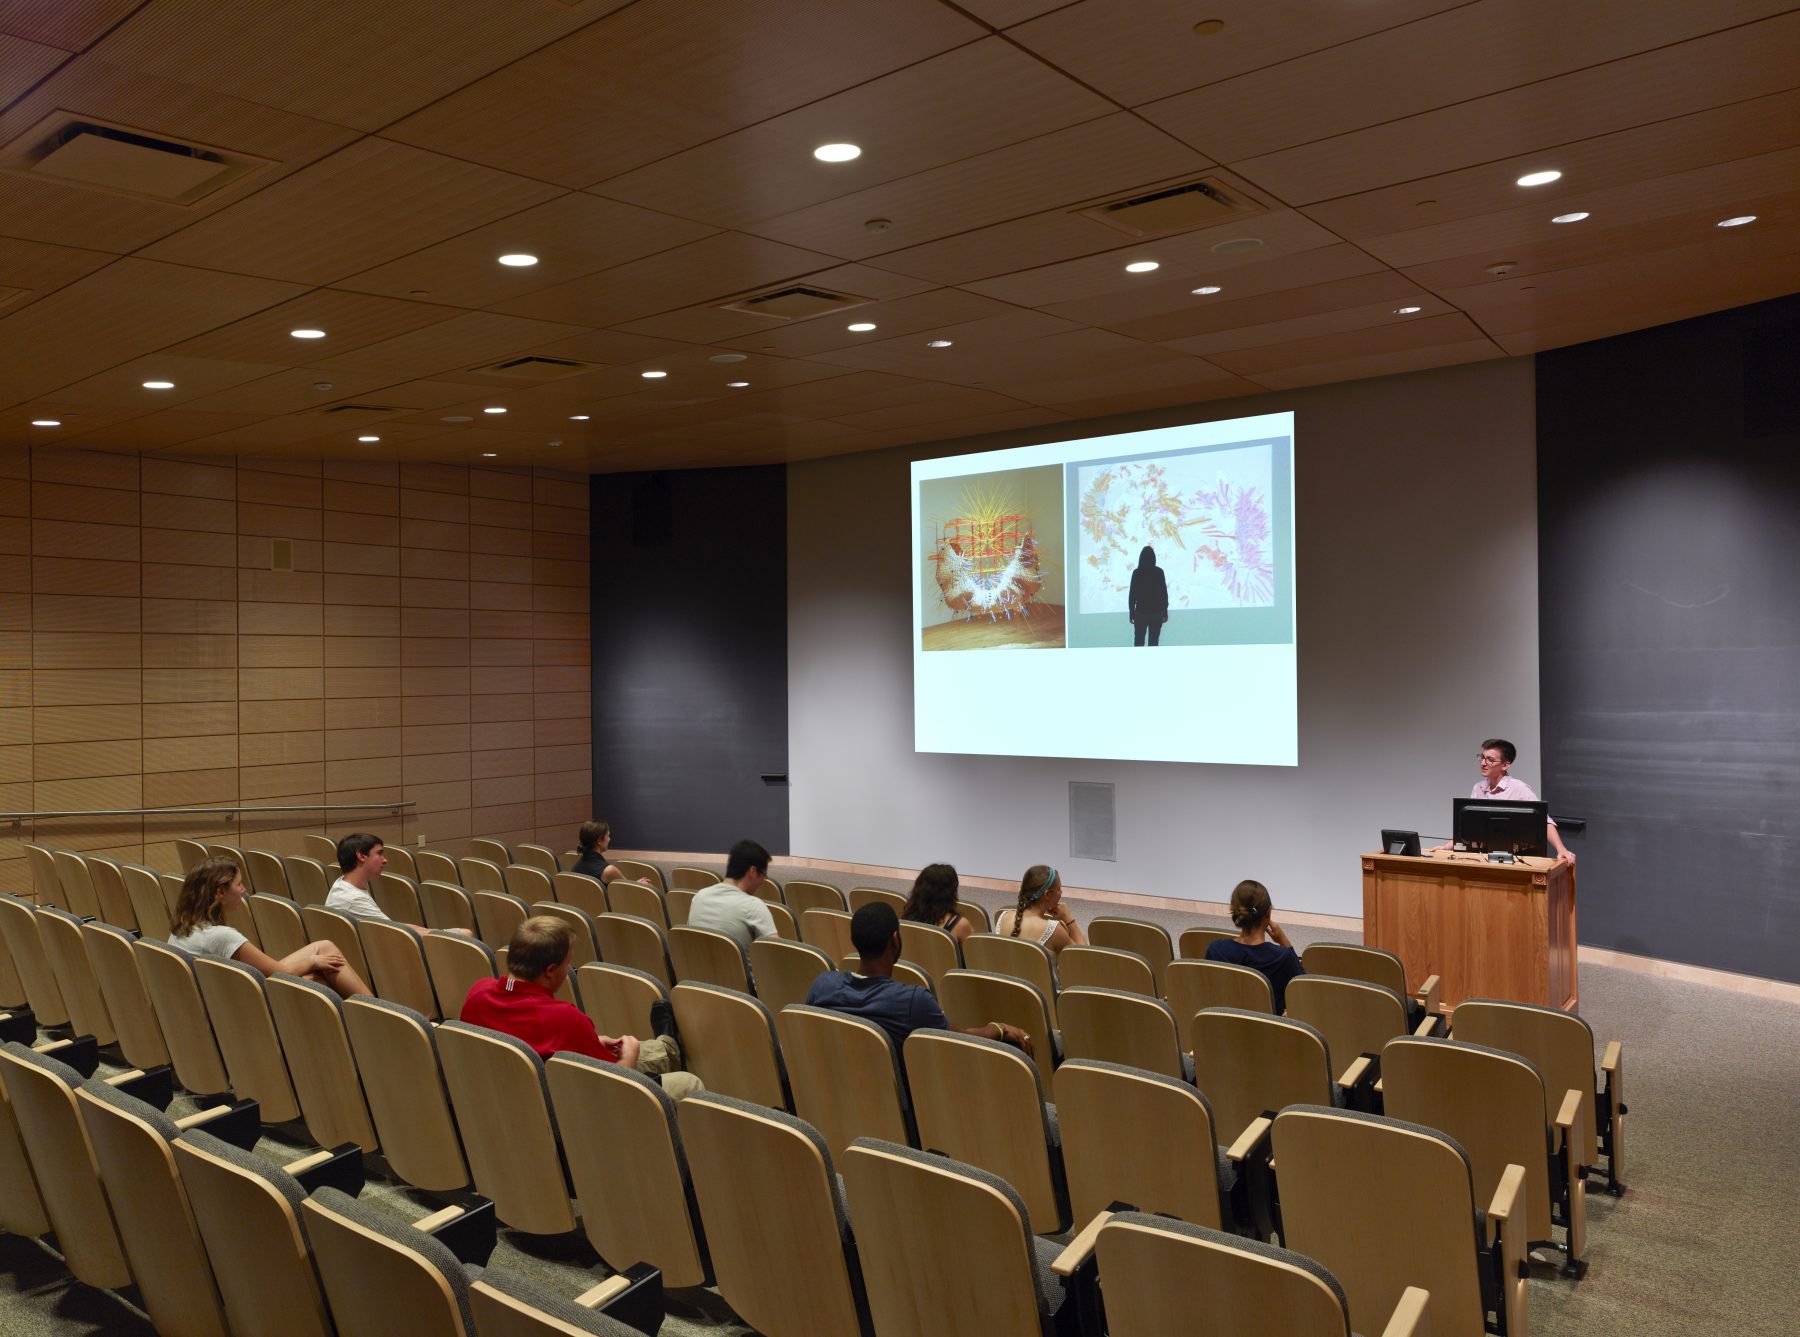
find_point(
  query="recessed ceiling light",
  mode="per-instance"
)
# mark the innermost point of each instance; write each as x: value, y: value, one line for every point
x: 938, y: 343
x: 457, y: 417
x: 653, y: 375
x: 1569, y: 218
x: 1141, y: 266
x: 495, y: 409
x: 46, y: 422
x: 518, y: 260
x: 307, y: 334
x: 861, y: 327
x: 1207, y: 291
x: 368, y: 438
x: 1408, y: 310
x: 159, y: 385
x: 837, y: 152
x: 1739, y: 221
x: 736, y: 385
x: 579, y: 417
x: 1207, y: 27
x: 726, y: 357
x: 1543, y: 178
x: 490, y: 454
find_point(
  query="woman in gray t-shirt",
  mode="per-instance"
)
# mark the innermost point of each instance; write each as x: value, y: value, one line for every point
x: 216, y: 886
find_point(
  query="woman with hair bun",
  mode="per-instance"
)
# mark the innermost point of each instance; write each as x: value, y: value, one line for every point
x: 1039, y: 916
x: 1260, y: 943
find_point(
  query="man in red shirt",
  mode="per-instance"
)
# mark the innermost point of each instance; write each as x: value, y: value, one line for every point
x: 524, y: 1005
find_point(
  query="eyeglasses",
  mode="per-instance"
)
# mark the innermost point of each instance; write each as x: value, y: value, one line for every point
x: 1487, y: 757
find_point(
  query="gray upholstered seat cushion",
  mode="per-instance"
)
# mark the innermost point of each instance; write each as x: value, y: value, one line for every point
x: 130, y: 1104
x: 455, y: 1273
x: 54, y: 1066
x: 248, y: 1161
x: 556, y: 1304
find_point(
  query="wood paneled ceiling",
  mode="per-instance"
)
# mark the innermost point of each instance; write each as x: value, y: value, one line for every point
x: 656, y: 155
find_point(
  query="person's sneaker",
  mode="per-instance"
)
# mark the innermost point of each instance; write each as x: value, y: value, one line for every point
x: 662, y: 1024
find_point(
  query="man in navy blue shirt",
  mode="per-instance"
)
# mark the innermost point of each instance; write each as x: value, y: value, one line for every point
x: 875, y: 995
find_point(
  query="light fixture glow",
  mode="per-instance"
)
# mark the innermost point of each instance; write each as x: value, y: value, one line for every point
x: 306, y: 334
x: 489, y: 455
x: 837, y: 152
x: 1543, y: 178
x: 1408, y: 310
x: 938, y: 343
x: 46, y: 422
x: 159, y: 385
x: 861, y: 327
x: 495, y: 409
x: 736, y: 385
x: 1207, y: 291
x: 1739, y: 221
x: 653, y: 375
x: 579, y: 417
x: 518, y: 260
x: 1142, y: 266
x: 1569, y: 218
x: 368, y: 438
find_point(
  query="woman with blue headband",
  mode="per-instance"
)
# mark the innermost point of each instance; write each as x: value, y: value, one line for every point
x: 1039, y: 915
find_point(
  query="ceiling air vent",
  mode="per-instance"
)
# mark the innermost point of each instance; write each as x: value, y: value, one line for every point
x: 532, y: 368
x: 97, y: 156
x: 1177, y: 209
x: 362, y: 408
x: 795, y: 303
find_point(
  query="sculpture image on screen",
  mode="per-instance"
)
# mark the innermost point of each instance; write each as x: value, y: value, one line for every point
x: 993, y: 553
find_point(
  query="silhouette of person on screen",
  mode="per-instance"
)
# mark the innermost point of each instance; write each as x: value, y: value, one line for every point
x: 1148, y: 602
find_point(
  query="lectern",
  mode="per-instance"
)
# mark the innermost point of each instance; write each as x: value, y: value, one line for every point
x: 1486, y: 930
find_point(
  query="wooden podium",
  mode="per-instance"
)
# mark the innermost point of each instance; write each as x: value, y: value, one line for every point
x: 1487, y: 930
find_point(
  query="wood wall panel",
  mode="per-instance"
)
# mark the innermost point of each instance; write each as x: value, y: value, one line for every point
x: 430, y: 643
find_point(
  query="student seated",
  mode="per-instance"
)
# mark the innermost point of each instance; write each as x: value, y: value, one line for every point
x: 362, y: 859
x: 524, y: 1005
x: 1039, y: 915
x: 594, y: 839
x: 873, y: 993
x: 216, y: 886
x: 933, y: 901
x: 1260, y: 943
x: 732, y: 907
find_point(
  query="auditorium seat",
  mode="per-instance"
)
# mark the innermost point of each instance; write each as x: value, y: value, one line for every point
x: 845, y: 1074
x: 77, y: 883
x: 1106, y: 968
x: 1143, y: 1139
x: 309, y: 1019
x: 785, y: 971
x: 399, y: 860
x: 1493, y: 1103
x: 949, y: 1249
x: 1372, y: 965
x: 829, y: 931
x: 999, y: 954
x: 706, y: 957
x: 930, y: 948
x: 436, y: 866
x: 1159, y: 1274
x: 271, y: 874
x: 769, y: 889
x: 1386, y: 1205
x: 502, y: 1106
x: 23, y: 940
x: 46, y: 887
x: 114, y: 902
x: 803, y: 896
x: 975, y: 997
x: 981, y: 1102
x: 409, y: 1106
x: 22, y: 1210
x: 632, y: 940
x: 528, y: 883
x: 638, y: 899
x: 66, y: 950
x: 497, y: 916
x: 220, y: 850
x: 445, y: 905
x: 977, y: 915
x: 861, y: 896
x: 279, y: 924
x: 904, y: 971
x: 190, y: 854
x: 540, y: 857
x: 617, y: 999
x: 679, y: 902
x: 775, y: 1221
x: 728, y: 1042
x: 308, y: 879
x: 1148, y: 940
x: 493, y: 851
x: 1119, y: 1027
x: 584, y: 940
x: 237, y: 1004
x: 140, y: 1038
x: 147, y: 905
x: 480, y: 875
x: 1197, y: 985
x: 630, y: 1173
x: 320, y: 847
x: 1195, y: 941
x: 508, y: 1305
x: 639, y: 871
x: 455, y: 963
x: 382, y: 1275
x: 786, y: 926
x: 398, y: 896
x: 683, y: 878
x: 1251, y: 1065
x: 1353, y: 1016
x: 168, y: 975
x: 339, y: 930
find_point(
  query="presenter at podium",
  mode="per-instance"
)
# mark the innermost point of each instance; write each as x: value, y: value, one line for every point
x: 1497, y: 757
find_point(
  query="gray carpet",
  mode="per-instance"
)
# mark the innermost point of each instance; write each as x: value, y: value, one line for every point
x: 1703, y: 1243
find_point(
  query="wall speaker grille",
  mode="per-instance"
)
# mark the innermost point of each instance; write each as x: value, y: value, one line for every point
x: 1091, y: 822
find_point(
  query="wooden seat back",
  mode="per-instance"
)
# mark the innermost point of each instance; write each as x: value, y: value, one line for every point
x: 845, y: 1075
x: 494, y: 851
x: 340, y: 931
x: 398, y: 896
x: 630, y: 940
x: 929, y: 948
x: 236, y: 998
x: 270, y: 873
x: 168, y: 976
x: 189, y: 854
x: 1118, y: 1027
x: 1148, y: 940
x: 1355, y: 1018
x: 829, y: 931
x: 400, y: 860
x: 1197, y: 985
x: 786, y: 926
x: 1002, y: 955
x: 635, y: 898
x: 679, y: 902
x: 980, y: 1102
x: 540, y: 857
x: 309, y: 1020
x: 977, y: 914
x: 975, y: 997
x: 861, y: 896
x: 1250, y: 1064
x: 728, y: 1041
x: 147, y: 905
x: 480, y: 875
x: 247, y: 1211
x: 1353, y: 961
x: 530, y: 884
x: 584, y: 893
x: 639, y: 871
x: 375, y: 1277
x: 115, y: 967
x: 773, y: 1216
x: 945, y: 1249
x: 1137, y: 1137
x: 1106, y: 968
x: 785, y: 971
x: 397, y: 969
x: 708, y: 958
x: 67, y: 951
x: 24, y: 941
x: 77, y: 885
x: 396, y: 1055
x: 219, y: 850
x: 22, y: 1209
x: 445, y: 905
x: 684, y: 878
x: 502, y: 1106
x: 498, y: 915
x: 1384, y: 1206
x: 803, y: 896
x: 455, y: 963
x: 278, y: 924
x: 110, y: 894
x: 171, y: 891
x: 584, y: 940
x: 308, y: 879
x: 1559, y: 1043
x: 437, y: 866
x: 12, y: 988
x: 635, y: 1207
x: 617, y: 998
x: 318, y: 846
x: 1195, y: 941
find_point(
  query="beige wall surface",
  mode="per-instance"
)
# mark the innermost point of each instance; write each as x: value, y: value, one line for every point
x: 430, y: 643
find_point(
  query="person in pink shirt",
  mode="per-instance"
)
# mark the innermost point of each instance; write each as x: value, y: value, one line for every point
x: 1497, y: 757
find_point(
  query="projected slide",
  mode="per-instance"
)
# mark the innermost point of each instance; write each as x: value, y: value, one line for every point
x: 1150, y: 572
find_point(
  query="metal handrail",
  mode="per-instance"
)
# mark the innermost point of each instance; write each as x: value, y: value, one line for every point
x: 392, y: 805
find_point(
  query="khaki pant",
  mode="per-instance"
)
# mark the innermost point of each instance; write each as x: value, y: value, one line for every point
x: 660, y: 1059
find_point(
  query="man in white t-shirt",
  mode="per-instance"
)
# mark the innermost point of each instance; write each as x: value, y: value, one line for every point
x: 732, y: 907
x: 361, y: 859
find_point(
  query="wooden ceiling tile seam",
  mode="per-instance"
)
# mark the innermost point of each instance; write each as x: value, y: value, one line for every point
x: 968, y: 101
x: 23, y: 64
x: 38, y: 268
x: 916, y: 315
x: 1540, y: 119
x: 1170, y: 373
x: 123, y: 386
x: 466, y: 340
x: 1002, y: 14
x: 366, y: 204
x: 294, y: 390
x: 1373, y: 315
x: 1417, y: 332
x: 73, y: 25
x: 1449, y: 57
x: 1397, y: 362
x: 665, y: 75
x: 350, y: 320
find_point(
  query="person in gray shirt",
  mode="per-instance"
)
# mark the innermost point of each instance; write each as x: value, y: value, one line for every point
x: 732, y: 907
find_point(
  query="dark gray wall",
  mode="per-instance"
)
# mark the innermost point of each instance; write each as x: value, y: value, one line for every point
x: 1669, y: 570
x: 689, y: 607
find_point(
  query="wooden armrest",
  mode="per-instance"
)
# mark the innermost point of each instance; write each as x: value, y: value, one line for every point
x: 1078, y: 1249
x: 51, y: 1046
x: 1568, y: 1113
x: 124, y: 1077
x: 1427, y: 993
x: 1408, y: 1319
x: 1572, y: 1158
x: 1612, y: 1063
x: 437, y: 1218
x: 1428, y: 1026
x: 1380, y: 1090
x: 205, y: 1116
x: 1506, y: 1195
x: 606, y: 1290
x: 1354, y: 1073
x: 1247, y: 1139
x: 307, y: 1162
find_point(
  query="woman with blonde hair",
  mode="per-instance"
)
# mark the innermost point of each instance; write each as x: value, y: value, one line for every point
x: 1039, y: 915
x: 215, y: 887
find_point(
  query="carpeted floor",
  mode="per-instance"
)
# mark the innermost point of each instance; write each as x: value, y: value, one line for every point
x: 1703, y: 1243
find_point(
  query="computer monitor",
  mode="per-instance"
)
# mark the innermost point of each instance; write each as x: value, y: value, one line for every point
x: 1501, y: 826
x: 1400, y: 842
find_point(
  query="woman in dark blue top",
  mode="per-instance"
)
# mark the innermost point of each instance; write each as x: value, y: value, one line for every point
x: 1260, y: 943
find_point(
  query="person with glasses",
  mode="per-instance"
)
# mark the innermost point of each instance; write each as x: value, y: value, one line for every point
x: 1495, y: 760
